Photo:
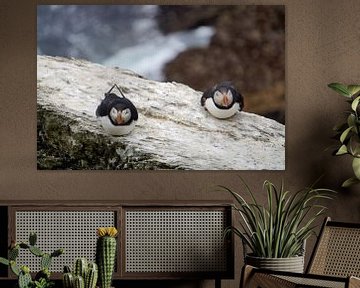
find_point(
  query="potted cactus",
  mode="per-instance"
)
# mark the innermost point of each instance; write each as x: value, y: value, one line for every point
x: 84, y: 275
x: 42, y: 278
x: 106, y: 254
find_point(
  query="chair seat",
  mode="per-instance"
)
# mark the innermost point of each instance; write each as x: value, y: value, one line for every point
x: 266, y: 279
x: 316, y: 282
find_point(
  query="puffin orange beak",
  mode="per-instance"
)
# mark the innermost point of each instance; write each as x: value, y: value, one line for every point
x: 225, y: 100
x: 119, y: 119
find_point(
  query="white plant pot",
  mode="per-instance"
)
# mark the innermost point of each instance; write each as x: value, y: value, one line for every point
x: 291, y: 264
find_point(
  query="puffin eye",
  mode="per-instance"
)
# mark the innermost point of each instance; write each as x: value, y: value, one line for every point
x: 113, y: 113
x: 229, y: 95
x: 217, y: 97
x: 126, y: 113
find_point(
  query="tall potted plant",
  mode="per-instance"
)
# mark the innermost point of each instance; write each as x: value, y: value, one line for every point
x: 348, y: 132
x: 276, y: 233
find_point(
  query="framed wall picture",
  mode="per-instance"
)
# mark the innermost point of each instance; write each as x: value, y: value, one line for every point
x: 147, y: 87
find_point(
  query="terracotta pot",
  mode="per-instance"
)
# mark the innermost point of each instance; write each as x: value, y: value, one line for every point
x: 291, y: 264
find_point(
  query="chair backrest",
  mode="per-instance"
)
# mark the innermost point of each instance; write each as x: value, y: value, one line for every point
x: 337, y: 251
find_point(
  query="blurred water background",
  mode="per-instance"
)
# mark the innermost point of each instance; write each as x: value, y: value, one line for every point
x: 119, y: 35
x: 195, y: 45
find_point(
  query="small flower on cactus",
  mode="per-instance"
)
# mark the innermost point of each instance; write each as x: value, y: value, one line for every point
x: 106, y: 231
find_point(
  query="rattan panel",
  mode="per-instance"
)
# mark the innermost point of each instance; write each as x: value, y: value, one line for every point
x: 338, y: 253
x: 313, y: 282
x: 75, y: 231
x: 175, y: 241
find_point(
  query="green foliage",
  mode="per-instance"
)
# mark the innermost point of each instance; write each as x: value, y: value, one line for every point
x: 68, y: 280
x: 105, y: 259
x: 44, y: 273
x: 4, y: 261
x: 91, y: 276
x: 79, y: 282
x: 24, y: 279
x: 14, y: 268
x: 13, y: 253
x: 280, y: 229
x: 348, y: 132
x: 42, y: 283
x: 32, y: 239
x: 81, y: 265
x: 57, y: 252
x: 85, y: 275
x: 42, y: 278
x: 36, y: 251
x: 45, y: 261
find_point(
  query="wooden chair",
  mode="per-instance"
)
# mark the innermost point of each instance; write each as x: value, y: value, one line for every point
x: 335, y: 262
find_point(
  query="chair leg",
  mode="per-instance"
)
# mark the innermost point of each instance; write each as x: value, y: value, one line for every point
x: 250, y: 278
x: 246, y: 273
x: 217, y: 283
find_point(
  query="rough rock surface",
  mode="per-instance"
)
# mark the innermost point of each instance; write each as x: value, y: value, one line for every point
x: 173, y: 130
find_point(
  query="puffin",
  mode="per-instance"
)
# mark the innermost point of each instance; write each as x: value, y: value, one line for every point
x: 222, y: 100
x: 117, y: 114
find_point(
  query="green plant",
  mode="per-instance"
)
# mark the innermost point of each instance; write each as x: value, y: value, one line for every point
x: 105, y: 254
x: 85, y: 275
x: 279, y: 229
x: 43, y: 283
x: 42, y: 278
x: 348, y: 132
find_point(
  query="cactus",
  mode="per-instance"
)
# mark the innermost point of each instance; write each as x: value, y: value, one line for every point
x: 32, y: 238
x: 24, y: 278
x: 67, y: 269
x: 81, y: 265
x: 87, y: 272
x: 57, y: 252
x: 24, y: 246
x: 79, y: 282
x: 44, y: 273
x: 105, y: 254
x: 36, y: 251
x: 13, y: 253
x: 68, y: 280
x: 14, y: 268
x: 91, y: 276
x: 45, y: 261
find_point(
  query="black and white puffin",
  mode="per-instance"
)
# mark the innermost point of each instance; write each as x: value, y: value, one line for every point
x: 117, y: 115
x: 222, y: 101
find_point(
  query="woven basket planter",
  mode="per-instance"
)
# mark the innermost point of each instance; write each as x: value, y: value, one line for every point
x: 291, y: 264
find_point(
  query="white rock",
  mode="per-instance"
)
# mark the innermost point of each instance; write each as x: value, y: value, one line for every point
x: 172, y: 127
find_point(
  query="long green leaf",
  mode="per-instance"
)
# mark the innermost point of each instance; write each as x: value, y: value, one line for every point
x: 4, y: 261
x: 279, y: 228
x: 353, y: 89
x: 355, y: 103
x: 344, y: 135
x: 340, y: 88
x: 349, y: 182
